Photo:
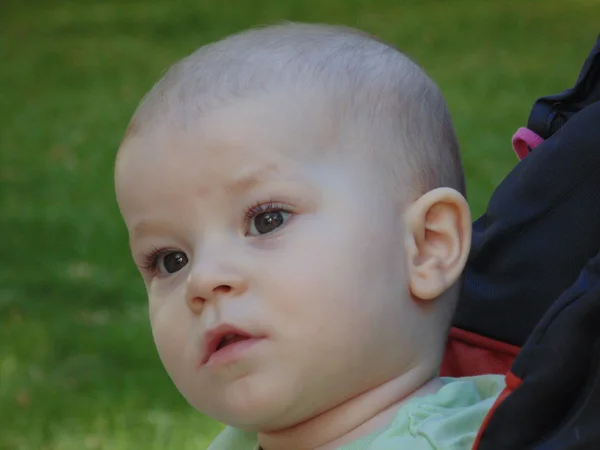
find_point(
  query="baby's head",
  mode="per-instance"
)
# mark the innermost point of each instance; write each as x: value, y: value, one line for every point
x: 294, y: 198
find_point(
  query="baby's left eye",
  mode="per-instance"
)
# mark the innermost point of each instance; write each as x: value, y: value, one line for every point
x: 267, y: 221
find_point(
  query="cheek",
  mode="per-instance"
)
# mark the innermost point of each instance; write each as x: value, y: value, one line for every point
x: 326, y: 275
x: 333, y: 300
x: 170, y: 330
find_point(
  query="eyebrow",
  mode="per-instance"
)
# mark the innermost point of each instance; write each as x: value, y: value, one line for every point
x: 250, y: 178
x: 145, y: 228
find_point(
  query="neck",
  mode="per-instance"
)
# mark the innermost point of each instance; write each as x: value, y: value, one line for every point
x: 355, y: 418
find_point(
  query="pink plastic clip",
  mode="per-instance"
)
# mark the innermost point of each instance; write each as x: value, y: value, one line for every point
x: 525, y: 140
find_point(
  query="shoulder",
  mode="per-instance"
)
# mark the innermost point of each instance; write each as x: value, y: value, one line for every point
x: 234, y: 439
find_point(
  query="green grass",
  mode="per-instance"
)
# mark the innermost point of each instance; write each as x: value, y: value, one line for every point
x: 78, y: 369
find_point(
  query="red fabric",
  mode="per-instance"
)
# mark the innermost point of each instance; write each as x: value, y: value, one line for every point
x: 469, y: 354
x: 512, y: 382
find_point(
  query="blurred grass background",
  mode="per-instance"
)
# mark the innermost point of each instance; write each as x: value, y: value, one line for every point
x: 78, y: 369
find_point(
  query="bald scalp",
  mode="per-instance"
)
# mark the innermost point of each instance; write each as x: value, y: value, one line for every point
x: 382, y: 104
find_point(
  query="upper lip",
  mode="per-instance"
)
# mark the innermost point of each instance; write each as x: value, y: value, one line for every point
x: 213, y: 337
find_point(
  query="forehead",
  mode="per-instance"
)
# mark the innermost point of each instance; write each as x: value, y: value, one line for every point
x: 230, y: 148
x: 223, y: 142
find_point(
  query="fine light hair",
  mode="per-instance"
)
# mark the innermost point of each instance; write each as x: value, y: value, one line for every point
x: 386, y: 103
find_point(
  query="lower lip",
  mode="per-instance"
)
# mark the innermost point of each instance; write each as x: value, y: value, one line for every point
x: 231, y: 352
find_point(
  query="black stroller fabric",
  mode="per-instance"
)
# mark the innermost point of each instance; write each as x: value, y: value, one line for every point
x: 533, y: 279
x: 541, y: 227
x: 542, y: 222
x: 557, y: 404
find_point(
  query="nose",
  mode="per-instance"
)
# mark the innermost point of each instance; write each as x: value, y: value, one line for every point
x: 210, y: 280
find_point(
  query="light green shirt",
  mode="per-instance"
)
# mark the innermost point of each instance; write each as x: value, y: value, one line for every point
x: 446, y: 420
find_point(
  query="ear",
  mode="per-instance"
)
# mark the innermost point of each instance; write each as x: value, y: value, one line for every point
x: 438, y: 241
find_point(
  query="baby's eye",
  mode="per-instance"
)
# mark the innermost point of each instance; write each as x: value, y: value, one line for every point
x: 171, y: 262
x: 267, y: 221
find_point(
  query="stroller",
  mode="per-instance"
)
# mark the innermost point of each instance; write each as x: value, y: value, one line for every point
x: 530, y: 305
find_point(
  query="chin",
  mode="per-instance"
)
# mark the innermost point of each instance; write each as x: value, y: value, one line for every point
x: 259, y: 407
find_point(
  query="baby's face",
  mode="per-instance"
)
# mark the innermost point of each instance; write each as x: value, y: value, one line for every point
x: 276, y: 278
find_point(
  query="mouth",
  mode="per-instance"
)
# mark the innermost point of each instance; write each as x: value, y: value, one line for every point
x: 221, y: 338
x: 229, y: 339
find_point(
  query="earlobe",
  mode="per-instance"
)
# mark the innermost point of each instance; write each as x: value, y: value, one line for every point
x: 438, y: 241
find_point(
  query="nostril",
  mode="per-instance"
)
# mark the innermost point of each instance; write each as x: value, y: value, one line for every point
x: 196, y: 303
x: 223, y: 289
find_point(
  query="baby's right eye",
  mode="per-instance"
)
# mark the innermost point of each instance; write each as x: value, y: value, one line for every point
x: 172, y: 262
x: 164, y: 262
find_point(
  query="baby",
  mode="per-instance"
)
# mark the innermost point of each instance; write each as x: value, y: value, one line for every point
x: 295, y: 202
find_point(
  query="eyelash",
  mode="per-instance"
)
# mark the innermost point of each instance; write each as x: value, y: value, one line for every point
x: 260, y: 208
x: 150, y: 260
